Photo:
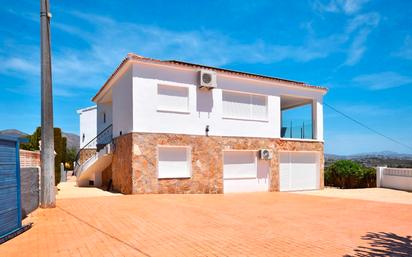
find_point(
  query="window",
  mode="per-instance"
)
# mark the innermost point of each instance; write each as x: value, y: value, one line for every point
x: 174, y: 162
x: 172, y: 98
x: 104, y: 117
x: 83, y: 137
x: 244, y: 106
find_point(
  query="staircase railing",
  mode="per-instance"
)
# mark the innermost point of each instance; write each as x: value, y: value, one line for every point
x: 99, y: 142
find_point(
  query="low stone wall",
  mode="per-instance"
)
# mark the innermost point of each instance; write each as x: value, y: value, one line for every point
x: 29, y: 158
x: 134, y: 167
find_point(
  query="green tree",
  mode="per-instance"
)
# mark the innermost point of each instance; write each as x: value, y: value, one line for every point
x: 34, y: 139
x: 60, y: 148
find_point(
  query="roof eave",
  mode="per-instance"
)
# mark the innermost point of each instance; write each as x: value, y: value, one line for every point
x: 133, y: 57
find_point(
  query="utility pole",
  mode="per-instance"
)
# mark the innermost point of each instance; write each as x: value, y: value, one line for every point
x: 48, y: 194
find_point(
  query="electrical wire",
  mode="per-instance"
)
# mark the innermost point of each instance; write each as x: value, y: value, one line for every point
x: 367, y: 127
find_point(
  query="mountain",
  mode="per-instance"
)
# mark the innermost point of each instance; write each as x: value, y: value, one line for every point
x: 13, y: 132
x: 73, y: 140
x: 374, y: 159
x: 381, y: 154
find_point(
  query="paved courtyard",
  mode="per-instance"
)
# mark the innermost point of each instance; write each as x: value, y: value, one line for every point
x: 369, y: 194
x: 259, y: 224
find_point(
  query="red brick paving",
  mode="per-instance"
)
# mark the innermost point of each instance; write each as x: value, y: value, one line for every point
x: 261, y: 224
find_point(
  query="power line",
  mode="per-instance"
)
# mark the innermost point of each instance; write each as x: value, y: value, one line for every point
x: 367, y: 127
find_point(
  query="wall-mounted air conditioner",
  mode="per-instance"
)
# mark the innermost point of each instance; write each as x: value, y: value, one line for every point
x: 207, y: 79
x: 265, y: 154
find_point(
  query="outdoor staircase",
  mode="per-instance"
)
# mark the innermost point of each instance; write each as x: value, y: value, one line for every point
x: 92, y: 168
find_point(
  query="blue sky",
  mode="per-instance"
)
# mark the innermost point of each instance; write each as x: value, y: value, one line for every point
x: 361, y: 50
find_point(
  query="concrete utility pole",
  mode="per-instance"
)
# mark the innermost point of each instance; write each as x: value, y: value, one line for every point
x: 48, y: 194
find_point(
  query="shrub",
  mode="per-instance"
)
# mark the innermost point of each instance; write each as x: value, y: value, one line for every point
x: 349, y: 174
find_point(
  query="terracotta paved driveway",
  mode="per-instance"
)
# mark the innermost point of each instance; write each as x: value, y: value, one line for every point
x: 262, y: 224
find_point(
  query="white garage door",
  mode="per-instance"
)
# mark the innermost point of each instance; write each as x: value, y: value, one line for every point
x: 299, y: 171
x: 242, y: 172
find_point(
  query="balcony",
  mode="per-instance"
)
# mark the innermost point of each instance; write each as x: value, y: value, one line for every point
x: 296, y: 128
x: 298, y: 118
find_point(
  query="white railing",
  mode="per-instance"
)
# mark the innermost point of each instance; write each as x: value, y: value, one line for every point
x: 396, y: 178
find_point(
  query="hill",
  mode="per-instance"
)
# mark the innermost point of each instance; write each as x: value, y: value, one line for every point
x: 13, y: 132
x: 374, y: 159
x: 73, y: 140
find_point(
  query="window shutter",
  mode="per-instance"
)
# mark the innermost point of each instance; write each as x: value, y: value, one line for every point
x: 244, y: 106
x: 174, y: 162
x: 259, y: 107
x: 172, y: 98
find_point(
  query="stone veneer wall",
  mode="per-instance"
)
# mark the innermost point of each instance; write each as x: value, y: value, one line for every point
x: 122, y: 164
x: 134, y: 169
x: 85, y: 154
x: 106, y: 176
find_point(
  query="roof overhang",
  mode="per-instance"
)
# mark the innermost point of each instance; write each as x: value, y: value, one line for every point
x: 130, y: 58
x: 290, y: 102
x: 86, y: 109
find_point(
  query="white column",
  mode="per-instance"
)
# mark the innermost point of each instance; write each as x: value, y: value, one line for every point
x: 379, y: 173
x: 275, y: 112
x: 317, y: 119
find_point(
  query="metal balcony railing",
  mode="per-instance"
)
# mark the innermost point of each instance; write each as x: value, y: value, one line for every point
x: 99, y: 142
x: 301, y: 129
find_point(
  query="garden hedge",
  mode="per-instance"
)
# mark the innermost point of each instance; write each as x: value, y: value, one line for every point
x: 349, y: 174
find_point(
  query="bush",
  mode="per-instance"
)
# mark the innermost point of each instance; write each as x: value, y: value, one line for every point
x: 349, y: 174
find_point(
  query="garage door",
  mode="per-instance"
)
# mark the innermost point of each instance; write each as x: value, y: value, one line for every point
x: 299, y: 171
x: 243, y: 172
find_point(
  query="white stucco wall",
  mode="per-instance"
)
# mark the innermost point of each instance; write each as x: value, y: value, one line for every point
x: 122, y: 98
x: 88, y: 125
x: 205, y: 107
x: 104, y: 108
x: 396, y: 178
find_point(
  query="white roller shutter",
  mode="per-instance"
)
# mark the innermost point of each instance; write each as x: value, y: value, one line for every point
x: 174, y: 162
x: 172, y: 98
x: 299, y: 171
x: 244, y: 106
x: 242, y: 172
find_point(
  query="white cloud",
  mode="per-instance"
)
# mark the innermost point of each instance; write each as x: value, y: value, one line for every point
x: 362, y: 25
x: 13, y: 64
x: 340, y: 6
x: 382, y: 80
x: 107, y: 41
x: 358, y: 28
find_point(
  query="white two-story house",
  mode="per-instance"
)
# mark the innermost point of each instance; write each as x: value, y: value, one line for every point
x: 179, y: 127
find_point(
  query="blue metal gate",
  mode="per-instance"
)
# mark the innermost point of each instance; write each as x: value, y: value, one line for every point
x: 10, y: 205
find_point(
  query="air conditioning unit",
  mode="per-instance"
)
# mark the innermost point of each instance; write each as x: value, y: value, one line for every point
x: 207, y: 79
x: 265, y: 154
